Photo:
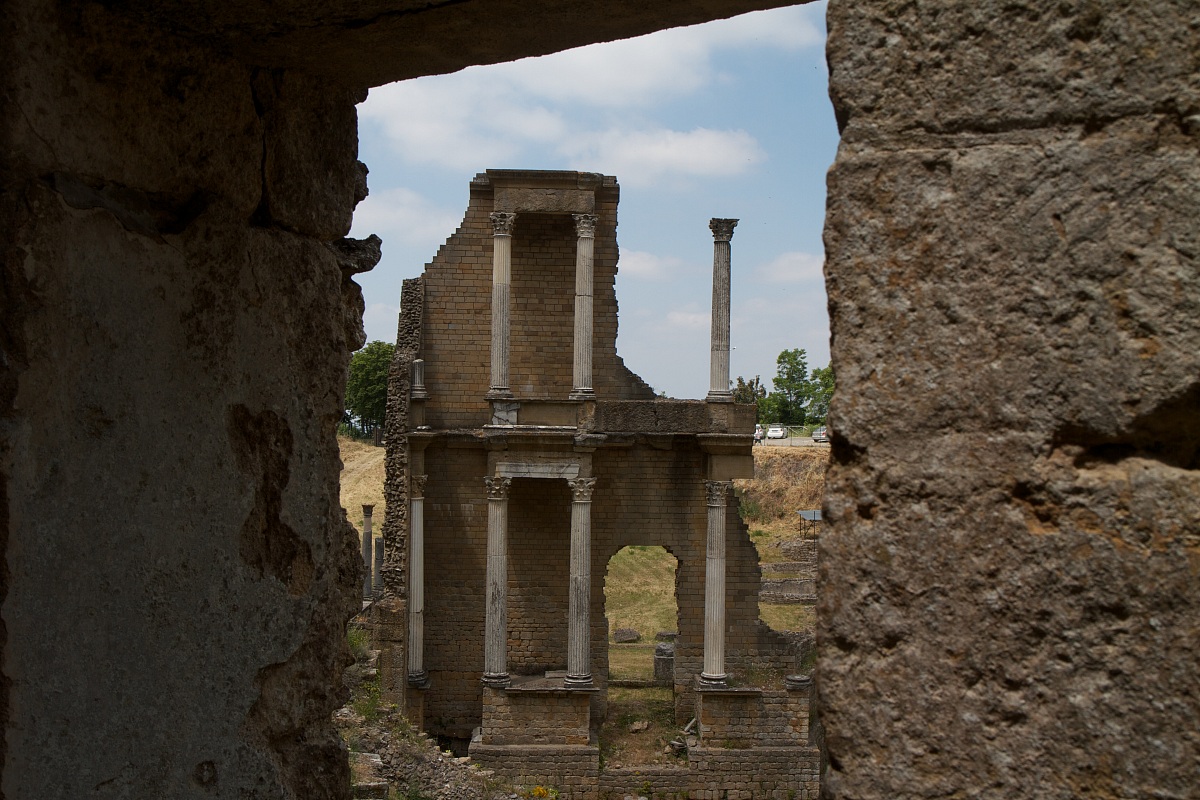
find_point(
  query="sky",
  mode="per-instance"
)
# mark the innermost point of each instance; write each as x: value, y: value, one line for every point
x: 727, y: 119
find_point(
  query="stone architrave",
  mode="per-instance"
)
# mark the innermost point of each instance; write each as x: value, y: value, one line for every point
x: 502, y: 227
x: 718, y: 391
x: 495, y: 646
x: 579, y: 644
x: 417, y: 676
x: 585, y: 233
x: 716, y: 496
x: 368, y: 551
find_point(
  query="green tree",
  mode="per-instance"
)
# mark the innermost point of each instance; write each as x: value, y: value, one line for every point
x: 793, y: 389
x: 822, y: 390
x: 749, y: 391
x: 366, y: 388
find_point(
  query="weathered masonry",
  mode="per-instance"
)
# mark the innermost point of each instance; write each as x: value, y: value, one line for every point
x: 1009, y: 596
x: 527, y: 455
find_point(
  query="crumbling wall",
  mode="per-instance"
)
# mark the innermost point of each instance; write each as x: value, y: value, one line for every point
x: 178, y: 567
x: 1009, y: 594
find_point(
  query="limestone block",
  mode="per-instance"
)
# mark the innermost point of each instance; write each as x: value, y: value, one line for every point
x: 989, y: 67
x: 1007, y: 579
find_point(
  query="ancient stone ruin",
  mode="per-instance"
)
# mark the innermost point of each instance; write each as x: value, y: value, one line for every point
x: 1009, y: 589
x: 527, y: 455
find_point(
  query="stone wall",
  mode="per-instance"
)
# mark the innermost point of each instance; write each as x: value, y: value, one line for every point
x: 1009, y: 594
x: 177, y: 320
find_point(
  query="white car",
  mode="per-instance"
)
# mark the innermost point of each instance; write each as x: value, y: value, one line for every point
x: 776, y: 432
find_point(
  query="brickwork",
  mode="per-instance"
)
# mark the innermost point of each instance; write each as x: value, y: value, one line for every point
x: 650, y: 460
x: 535, y: 713
x: 572, y: 769
x: 760, y: 773
x: 741, y: 718
x: 658, y: 783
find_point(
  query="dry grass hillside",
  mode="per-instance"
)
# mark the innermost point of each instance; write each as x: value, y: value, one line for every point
x: 362, y: 480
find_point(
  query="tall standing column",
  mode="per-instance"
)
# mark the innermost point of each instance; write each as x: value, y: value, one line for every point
x: 368, y: 551
x: 417, y: 676
x: 718, y: 386
x: 495, y: 646
x: 502, y: 227
x: 579, y: 622
x: 713, y: 674
x: 585, y: 241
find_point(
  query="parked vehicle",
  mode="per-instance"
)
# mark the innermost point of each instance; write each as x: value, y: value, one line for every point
x: 776, y: 432
x: 821, y: 434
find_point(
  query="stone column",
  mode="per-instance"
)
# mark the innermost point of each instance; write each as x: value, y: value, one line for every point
x: 418, y: 395
x: 417, y: 676
x: 368, y: 550
x: 377, y: 570
x: 495, y: 646
x: 585, y: 241
x: 713, y: 674
x: 718, y: 385
x: 502, y: 226
x: 579, y: 621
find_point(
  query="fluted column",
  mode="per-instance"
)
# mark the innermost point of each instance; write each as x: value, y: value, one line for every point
x: 579, y: 639
x: 495, y: 649
x: 368, y: 551
x: 718, y: 386
x: 716, y: 495
x: 585, y: 241
x: 417, y: 676
x: 502, y: 226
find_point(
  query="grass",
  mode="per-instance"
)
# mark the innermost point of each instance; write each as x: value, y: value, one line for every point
x: 639, y: 591
x: 631, y: 662
x: 619, y: 747
x: 362, y: 481
x: 785, y: 481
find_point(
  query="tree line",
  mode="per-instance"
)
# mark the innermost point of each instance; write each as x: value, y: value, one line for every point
x: 800, y: 397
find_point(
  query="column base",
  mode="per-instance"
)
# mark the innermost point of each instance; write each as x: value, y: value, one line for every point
x: 719, y: 397
x: 582, y: 394
x: 496, y: 680
x: 498, y: 393
x: 713, y: 681
x: 578, y: 682
x: 418, y: 680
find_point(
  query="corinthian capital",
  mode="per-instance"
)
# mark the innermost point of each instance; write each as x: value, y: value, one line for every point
x: 581, y: 489
x: 717, y: 492
x: 585, y: 225
x: 502, y: 223
x: 418, y: 485
x: 497, y: 488
x: 722, y: 229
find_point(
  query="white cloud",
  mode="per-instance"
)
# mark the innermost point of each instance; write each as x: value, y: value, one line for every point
x: 793, y: 267
x: 637, y: 72
x: 647, y: 266
x: 402, y: 216
x: 496, y: 115
x: 643, y: 157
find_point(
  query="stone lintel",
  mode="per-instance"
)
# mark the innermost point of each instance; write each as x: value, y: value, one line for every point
x: 517, y: 469
x: 529, y: 200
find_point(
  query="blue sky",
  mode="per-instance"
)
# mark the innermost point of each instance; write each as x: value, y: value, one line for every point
x: 726, y: 119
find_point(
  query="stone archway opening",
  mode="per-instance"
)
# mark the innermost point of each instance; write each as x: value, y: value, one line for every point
x: 642, y: 611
